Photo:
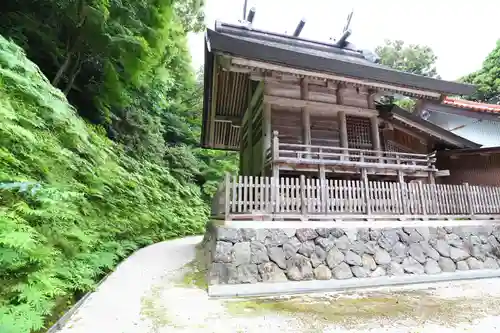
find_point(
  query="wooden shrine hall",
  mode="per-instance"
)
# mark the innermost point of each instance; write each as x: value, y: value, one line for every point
x: 316, y: 139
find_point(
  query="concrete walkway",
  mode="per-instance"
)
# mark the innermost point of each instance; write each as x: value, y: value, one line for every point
x: 148, y: 293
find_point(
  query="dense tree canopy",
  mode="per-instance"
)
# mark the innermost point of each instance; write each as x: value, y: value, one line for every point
x: 411, y: 58
x: 487, y: 78
x: 123, y: 64
x: 84, y: 183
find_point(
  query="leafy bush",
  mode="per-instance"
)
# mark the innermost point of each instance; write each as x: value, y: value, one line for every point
x: 72, y: 203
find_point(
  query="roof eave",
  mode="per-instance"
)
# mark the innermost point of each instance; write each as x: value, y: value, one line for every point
x: 456, y: 111
x: 444, y: 135
x: 472, y: 151
x: 257, y: 51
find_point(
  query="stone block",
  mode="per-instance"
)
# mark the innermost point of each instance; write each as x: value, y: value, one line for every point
x: 241, y: 253
x: 258, y: 253
x: 447, y: 265
x: 291, y: 247
x: 382, y: 257
x: 342, y: 271
x: 232, y: 235
x: 223, y: 252
x: 277, y: 255
x: 457, y: 254
x: 416, y: 251
x: 378, y: 272
x: 322, y: 273
x: 412, y: 266
x: 307, y: 248
x: 334, y: 257
x: 247, y: 273
x: 270, y: 272
x: 306, y: 234
x: 368, y: 262
x: 432, y: 267
x: 353, y: 259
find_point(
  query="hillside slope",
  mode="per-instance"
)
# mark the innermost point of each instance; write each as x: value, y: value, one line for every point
x: 72, y: 203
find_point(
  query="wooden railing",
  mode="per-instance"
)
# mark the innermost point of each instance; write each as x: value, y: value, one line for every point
x: 311, y: 154
x: 306, y: 198
x: 292, y: 154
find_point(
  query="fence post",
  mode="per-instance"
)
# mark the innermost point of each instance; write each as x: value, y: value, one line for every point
x: 303, y: 207
x: 275, y: 173
x: 422, y: 197
x: 276, y: 146
x: 227, y: 198
x: 322, y: 177
x: 468, y: 199
x: 365, y: 184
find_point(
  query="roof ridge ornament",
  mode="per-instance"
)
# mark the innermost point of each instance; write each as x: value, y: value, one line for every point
x: 247, y: 20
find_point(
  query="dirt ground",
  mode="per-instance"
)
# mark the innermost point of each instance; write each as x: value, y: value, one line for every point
x: 159, y: 289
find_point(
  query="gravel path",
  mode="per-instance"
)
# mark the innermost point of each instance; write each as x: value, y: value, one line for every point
x: 148, y: 293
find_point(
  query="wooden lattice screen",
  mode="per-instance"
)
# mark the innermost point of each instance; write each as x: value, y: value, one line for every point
x: 395, y: 148
x: 358, y: 132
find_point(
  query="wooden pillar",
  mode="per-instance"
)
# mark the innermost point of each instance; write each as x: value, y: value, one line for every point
x: 306, y: 118
x: 250, y: 132
x: 431, y: 178
x: 266, y: 135
x: 275, y: 154
x: 364, y: 180
x: 370, y: 98
x: 375, y: 133
x: 275, y: 195
x: 213, y: 106
x: 376, y: 137
x: 342, y: 120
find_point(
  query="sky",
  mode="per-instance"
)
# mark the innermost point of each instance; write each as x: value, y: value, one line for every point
x: 461, y: 32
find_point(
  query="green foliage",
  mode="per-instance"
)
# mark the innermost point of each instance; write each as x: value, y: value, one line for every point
x: 487, y: 78
x: 407, y: 104
x: 415, y: 59
x: 72, y: 203
x: 123, y: 64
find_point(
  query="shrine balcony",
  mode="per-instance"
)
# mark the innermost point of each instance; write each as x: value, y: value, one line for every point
x: 306, y: 199
x: 302, y: 157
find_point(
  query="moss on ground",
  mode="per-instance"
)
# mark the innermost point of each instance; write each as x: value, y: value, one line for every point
x: 354, y: 311
x: 194, y: 273
x: 152, y: 309
x: 194, y: 276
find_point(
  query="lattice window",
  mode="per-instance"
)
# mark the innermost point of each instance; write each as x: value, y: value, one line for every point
x: 390, y: 146
x: 358, y: 132
x: 411, y: 143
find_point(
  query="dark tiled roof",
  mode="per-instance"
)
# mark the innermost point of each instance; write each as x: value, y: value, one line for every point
x: 315, y: 56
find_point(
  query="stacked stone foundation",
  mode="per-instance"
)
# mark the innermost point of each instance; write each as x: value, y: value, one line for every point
x: 256, y: 255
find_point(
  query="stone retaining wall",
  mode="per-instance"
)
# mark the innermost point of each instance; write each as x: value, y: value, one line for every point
x: 244, y: 255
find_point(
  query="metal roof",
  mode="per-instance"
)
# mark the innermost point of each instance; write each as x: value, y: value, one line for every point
x: 296, y: 52
x: 426, y: 126
x: 470, y: 105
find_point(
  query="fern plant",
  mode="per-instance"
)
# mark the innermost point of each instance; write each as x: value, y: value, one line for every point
x: 72, y: 203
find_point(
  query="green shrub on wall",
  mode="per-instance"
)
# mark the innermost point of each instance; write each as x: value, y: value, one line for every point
x: 72, y: 203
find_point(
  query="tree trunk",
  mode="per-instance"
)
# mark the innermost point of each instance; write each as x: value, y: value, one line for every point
x: 62, y: 70
x: 74, y: 73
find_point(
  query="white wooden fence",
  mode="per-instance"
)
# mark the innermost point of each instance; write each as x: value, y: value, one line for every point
x: 308, y: 197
